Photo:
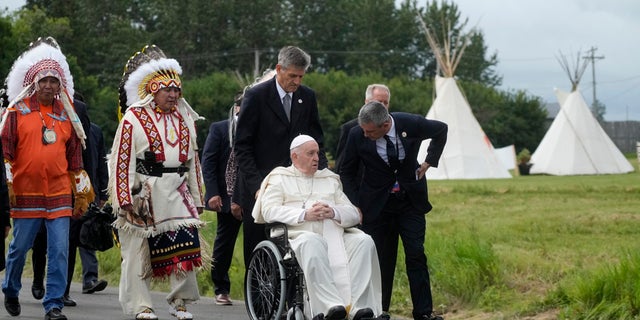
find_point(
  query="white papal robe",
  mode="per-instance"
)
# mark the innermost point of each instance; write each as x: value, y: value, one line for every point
x: 339, y: 261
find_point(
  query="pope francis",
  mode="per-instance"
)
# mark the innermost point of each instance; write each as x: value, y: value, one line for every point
x: 339, y: 262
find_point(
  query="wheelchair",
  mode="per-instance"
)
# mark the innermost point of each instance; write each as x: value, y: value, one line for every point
x: 274, y: 282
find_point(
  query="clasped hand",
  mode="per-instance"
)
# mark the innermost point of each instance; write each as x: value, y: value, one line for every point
x: 319, y: 211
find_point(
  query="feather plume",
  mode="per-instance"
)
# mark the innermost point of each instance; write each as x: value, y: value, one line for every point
x: 153, y: 52
x: 144, y: 62
x: 48, y: 40
x: 42, y: 49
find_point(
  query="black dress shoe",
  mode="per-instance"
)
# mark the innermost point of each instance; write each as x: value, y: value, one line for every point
x: 431, y: 316
x: 12, y: 305
x: 96, y: 285
x: 55, y: 314
x: 363, y: 314
x: 336, y: 313
x: 68, y: 302
x: 319, y: 316
x: 37, y: 290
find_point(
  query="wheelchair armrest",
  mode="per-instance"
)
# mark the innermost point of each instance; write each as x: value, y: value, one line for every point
x: 278, y: 233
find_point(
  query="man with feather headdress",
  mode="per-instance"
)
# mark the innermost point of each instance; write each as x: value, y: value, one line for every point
x: 156, y: 185
x: 42, y: 140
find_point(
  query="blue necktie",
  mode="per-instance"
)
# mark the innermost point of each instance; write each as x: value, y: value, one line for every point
x: 286, y: 103
x: 392, y: 153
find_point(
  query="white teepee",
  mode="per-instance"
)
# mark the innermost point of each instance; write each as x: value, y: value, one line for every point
x: 468, y: 153
x: 575, y: 143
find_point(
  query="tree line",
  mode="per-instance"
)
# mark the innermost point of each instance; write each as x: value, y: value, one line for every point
x: 222, y: 45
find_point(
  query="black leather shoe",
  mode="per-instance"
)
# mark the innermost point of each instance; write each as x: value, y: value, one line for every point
x: 12, y: 305
x: 68, y: 302
x: 37, y: 290
x: 55, y: 314
x: 319, y: 316
x: 385, y: 316
x: 96, y: 285
x: 336, y: 313
x: 432, y: 316
x: 363, y: 314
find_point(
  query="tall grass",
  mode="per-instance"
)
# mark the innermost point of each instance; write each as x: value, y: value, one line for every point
x: 511, y: 248
x: 609, y: 292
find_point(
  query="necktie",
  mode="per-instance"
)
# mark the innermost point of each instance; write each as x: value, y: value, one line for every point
x: 286, y: 103
x: 392, y: 152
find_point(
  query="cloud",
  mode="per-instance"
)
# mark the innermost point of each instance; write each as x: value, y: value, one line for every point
x: 529, y: 35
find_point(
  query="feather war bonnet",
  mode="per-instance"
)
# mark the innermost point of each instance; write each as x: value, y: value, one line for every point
x: 42, y: 59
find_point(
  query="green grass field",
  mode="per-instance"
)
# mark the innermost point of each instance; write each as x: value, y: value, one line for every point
x: 530, y: 247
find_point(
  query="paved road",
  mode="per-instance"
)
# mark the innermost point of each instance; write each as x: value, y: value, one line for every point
x: 104, y: 305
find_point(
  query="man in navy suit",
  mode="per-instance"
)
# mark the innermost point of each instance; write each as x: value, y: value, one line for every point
x: 382, y: 94
x: 273, y: 113
x: 393, y: 190
x: 215, y: 157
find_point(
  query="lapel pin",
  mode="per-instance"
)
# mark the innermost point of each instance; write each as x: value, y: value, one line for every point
x: 404, y: 134
x: 299, y: 100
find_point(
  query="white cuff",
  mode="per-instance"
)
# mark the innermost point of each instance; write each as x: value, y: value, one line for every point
x: 336, y: 215
x: 8, y: 173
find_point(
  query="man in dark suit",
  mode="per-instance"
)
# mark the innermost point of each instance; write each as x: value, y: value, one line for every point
x: 393, y: 190
x: 214, y: 163
x: 382, y: 94
x: 272, y: 114
x: 5, y: 221
x: 377, y: 92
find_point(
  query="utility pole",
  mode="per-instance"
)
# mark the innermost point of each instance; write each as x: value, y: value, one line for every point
x: 593, y: 58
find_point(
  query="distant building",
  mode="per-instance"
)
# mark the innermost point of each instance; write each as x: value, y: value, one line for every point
x: 624, y: 134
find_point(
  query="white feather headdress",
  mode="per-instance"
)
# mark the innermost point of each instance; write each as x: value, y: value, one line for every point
x: 146, y: 72
x: 42, y: 59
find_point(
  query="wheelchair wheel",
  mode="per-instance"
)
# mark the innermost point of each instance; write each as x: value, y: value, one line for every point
x: 265, y: 283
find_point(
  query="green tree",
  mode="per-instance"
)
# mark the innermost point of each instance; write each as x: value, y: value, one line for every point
x: 445, y: 22
x: 10, y: 45
x: 352, y: 43
x: 475, y: 65
x: 598, y: 109
x: 26, y: 26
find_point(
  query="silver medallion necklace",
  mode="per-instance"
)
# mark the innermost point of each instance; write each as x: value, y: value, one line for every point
x: 49, y: 136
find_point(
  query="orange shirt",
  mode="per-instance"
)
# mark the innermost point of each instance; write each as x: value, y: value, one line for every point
x: 41, y: 180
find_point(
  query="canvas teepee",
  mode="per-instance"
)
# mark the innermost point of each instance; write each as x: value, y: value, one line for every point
x: 468, y: 153
x: 575, y: 143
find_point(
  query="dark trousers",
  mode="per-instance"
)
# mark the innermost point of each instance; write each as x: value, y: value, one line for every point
x: 398, y: 215
x: 226, y: 234
x: 39, y: 253
x: 388, y: 264
x: 253, y: 234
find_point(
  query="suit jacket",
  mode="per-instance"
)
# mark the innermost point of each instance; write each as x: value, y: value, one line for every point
x: 214, y: 163
x: 263, y: 134
x: 98, y: 173
x: 373, y: 192
x: 88, y: 163
x: 5, y: 207
x: 342, y: 142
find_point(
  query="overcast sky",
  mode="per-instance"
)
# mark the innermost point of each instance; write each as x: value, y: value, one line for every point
x: 529, y: 35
